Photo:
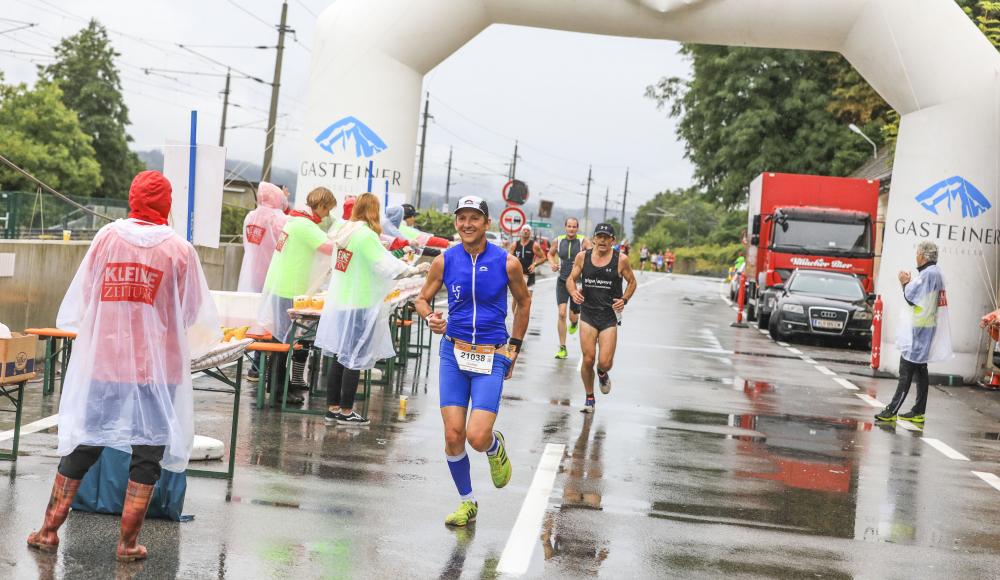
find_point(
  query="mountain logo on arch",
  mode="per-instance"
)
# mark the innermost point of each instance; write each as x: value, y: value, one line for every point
x: 350, y: 132
x: 954, y: 193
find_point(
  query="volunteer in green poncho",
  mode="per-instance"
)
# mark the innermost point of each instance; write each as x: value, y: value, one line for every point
x: 354, y: 326
x: 291, y: 274
x: 431, y: 245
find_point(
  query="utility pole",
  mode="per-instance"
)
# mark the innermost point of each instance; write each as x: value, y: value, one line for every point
x: 272, y: 115
x: 513, y: 165
x: 607, y: 192
x: 423, y: 148
x: 624, y: 201
x: 586, y: 209
x: 447, y: 183
x: 225, y: 109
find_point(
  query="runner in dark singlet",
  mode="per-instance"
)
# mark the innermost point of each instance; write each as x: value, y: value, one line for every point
x: 603, y: 300
x: 529, y: 253
x: 564, y: 250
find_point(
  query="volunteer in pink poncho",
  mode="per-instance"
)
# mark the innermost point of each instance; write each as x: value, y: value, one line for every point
x: 142, y: 310
x: 261, y: 229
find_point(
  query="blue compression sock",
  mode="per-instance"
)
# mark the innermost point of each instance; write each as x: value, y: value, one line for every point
x: 460, y: 473
x: 493, y: 446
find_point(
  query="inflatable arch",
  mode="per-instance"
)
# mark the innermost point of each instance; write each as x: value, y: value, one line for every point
x: 925, y: 57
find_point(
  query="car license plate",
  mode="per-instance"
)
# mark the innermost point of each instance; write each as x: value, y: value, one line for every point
x: 831, y: 324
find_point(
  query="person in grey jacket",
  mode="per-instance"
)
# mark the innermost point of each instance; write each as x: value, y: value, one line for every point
x: 923, y: 335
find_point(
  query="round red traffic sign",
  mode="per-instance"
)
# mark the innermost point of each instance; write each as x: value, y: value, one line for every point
x: 515, y: 192
x: 512, y: 220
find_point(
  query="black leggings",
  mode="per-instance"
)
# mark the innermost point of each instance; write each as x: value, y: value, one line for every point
x: 908, y: 372
x: 341, y: 386
x: 145, y: 467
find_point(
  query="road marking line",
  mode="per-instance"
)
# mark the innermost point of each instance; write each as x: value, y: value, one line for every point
x: 989, y: 478
x: 516, y: 554
x: 808, y: 360
x: 762, y: 330
x: 846, y: 383
x: 825, y: 371
x: 869, y: 399
x: 794, y: 350
x: 908, y: 426
x: 39, y: 425
x: 722, y: 293
x: 944, y: 448
x: 784, y: 344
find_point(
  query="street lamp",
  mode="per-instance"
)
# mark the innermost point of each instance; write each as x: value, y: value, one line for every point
x: 855, y: 128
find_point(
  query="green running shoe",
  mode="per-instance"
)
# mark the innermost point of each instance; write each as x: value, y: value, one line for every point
x: 465, y: 513
x: 573, y: 326
x: 562, y: 354
x: 885, y: 415
x: 499, y: 463
x: 911, y: 417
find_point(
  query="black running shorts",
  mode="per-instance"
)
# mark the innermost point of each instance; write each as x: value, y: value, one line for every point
x: 562, y: 296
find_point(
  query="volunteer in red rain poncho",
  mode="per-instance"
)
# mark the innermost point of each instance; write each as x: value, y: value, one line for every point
x: 142, y: 310
x: 354, y: 326
x: 261, y: 229
x: 923, y: 334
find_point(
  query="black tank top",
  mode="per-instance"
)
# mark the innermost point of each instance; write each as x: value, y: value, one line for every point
x: 567, y: 250
x: 525, y: 254
x: 601, y: 286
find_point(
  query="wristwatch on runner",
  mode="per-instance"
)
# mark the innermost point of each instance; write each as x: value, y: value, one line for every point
x: 514, y: 344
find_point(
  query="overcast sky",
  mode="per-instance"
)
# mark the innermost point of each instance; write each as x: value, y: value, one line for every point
x: 571, y: 99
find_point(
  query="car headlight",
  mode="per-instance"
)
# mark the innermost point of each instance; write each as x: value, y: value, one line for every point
x: 796, y: 308
x: 862, y: 315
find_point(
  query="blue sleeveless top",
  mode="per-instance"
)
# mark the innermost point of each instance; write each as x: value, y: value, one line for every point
x: 477, y: 294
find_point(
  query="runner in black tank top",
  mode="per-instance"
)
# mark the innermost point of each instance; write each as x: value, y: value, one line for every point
x: 601, y: 287
x: 528, y: 253
x: 602, y: 298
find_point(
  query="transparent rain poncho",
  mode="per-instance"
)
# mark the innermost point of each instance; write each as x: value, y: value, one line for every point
x: 261, y: 229
x: 354, y: 325
x: 924, y: 332
x: 141, y: 309
x: 293, y: 272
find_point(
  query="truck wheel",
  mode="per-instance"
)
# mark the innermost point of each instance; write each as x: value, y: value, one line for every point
x: 762, y: 320
x: 751, y: 313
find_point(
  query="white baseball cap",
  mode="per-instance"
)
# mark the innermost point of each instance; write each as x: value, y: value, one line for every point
x: 473, y: 202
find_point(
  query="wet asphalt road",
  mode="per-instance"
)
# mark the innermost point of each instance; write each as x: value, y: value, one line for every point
x: 717, y: 453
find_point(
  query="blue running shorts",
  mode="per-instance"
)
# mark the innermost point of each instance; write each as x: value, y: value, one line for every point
x: 458, y: 387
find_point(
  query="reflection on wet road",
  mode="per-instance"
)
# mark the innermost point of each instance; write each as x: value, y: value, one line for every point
x: 718, y: 453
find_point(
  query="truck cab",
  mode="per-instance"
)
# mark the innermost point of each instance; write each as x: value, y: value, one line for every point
x: 807, y: 222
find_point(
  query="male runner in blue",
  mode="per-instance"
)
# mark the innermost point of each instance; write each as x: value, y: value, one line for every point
x: 476, y: 355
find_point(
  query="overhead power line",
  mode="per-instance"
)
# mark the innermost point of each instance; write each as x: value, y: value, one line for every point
x: 251, y: 14
x: 46, y: 187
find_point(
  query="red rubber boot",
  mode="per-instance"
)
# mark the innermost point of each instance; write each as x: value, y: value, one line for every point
x: 63, y: 491
x: 137, y: 499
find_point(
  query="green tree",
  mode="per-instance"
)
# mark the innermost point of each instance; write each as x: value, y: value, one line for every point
x: 746, y: 110
x: 44, y: 137
x: 435, y: 222
x: 686, y: 218
x: 85, y: 70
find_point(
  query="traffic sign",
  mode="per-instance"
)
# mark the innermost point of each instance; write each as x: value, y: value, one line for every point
x: 512, y: 220
x: 540, y: 225
x: 515, y: 192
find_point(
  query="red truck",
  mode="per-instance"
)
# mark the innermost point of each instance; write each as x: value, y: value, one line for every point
x: 811, y: 222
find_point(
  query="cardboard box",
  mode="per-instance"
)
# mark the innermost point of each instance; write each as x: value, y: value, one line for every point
x: 17, y: 358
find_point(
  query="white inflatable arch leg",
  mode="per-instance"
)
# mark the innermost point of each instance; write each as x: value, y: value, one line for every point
x: 925, y: 57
